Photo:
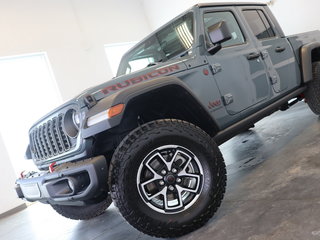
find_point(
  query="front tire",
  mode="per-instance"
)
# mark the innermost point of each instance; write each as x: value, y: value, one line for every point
x: 313, y: 91
x: 167, y: 178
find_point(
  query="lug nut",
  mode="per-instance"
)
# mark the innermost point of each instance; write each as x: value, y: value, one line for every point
x: 163, y: 172
x: 161, y: 182
x: 171, y: 188
x: 178, y: 180
x: 174, y: 170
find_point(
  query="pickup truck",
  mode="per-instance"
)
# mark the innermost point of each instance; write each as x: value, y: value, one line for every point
x: 148, y: 139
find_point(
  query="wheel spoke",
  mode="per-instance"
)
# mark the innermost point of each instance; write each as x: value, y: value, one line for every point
x: 155, y: 174
x: 172, y: 160
x: 162, y: 192
x: 180, y: 201
x: 150, y: 181
x: 179, y: 192
x: 186, y: 165
x: 167, y: 164
x: 190, y: 175
x: 180, y: 189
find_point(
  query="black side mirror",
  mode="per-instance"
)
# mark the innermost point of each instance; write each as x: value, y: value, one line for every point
x: 218, y: 33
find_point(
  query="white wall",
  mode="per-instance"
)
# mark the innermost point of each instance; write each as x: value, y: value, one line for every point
x: 295, y: 16
x: 73, y: 33
x: 8, y: 197
x: 160, y: 12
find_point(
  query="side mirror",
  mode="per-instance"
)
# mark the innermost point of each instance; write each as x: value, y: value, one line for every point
x: 218, y: 33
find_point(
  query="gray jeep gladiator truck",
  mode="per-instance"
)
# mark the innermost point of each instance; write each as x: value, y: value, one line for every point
x: 148, y: 139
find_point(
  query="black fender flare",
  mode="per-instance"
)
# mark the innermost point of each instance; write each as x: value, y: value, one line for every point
x: 306, y: 60
x: 125, y: 96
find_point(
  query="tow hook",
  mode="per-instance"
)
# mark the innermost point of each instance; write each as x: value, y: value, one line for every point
x: 51, y: 167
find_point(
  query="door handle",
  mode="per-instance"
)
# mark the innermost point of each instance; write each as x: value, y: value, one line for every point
x: 253, y: 55
x: 280, y: 49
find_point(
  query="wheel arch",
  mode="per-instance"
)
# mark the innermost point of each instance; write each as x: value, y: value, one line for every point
x: 171, y: 101
x: 161, y: 98
x: 309, y: 53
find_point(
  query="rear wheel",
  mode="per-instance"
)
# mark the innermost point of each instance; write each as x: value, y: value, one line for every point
x: 167, y: 178
x: 312, y: 93
x: 83, y: 212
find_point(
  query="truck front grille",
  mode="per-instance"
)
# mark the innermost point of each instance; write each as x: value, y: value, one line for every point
x: 49, y: 139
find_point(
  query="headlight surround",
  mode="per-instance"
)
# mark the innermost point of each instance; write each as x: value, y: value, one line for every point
x: 71, y: 123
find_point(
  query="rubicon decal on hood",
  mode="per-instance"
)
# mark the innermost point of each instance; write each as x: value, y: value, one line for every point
x: 156, y: 73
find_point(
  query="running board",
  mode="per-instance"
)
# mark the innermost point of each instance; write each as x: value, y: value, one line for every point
x: 245, y: 123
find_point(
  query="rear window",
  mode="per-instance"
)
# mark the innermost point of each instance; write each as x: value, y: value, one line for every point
x: 259, y: 24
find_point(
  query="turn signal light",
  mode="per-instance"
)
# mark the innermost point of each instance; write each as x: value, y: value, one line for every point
x: 115, y: 110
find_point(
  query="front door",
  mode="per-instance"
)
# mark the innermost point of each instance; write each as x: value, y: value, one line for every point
x: 238, y: 67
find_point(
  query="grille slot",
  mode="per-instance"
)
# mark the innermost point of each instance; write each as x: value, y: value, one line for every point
x: 49, y: 139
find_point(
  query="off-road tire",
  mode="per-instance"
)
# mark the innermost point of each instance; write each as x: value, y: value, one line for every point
x: 312, y: 94
x: 83, y: 212
x: 130, y: 154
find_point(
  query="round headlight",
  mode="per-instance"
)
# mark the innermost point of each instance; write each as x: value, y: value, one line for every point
x: 76, y: 118
x: 71, y: 123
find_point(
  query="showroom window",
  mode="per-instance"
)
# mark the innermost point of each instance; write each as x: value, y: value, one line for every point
x: 28, y: 92
x: 115, y: 52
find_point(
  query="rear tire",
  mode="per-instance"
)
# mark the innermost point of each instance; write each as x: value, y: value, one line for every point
x: 83, y: 212
x: 312, y: 93
x: 167, y: 178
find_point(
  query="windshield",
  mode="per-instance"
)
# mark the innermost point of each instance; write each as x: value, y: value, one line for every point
x: 169, y: 42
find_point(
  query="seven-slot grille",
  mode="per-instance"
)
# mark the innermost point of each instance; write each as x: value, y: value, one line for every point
x: 49, y: 139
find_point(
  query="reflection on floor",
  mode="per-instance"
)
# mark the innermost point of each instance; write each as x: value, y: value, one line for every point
x: 273, y: 191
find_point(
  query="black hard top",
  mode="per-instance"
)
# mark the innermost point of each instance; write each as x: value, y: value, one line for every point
x: 216, y: 4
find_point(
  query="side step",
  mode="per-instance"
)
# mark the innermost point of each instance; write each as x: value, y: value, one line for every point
x: 238, y: 127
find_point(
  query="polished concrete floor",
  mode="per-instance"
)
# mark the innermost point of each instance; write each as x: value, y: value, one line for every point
x: 273, y: 191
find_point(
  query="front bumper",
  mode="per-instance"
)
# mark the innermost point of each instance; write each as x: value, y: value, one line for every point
x: 75, y: 184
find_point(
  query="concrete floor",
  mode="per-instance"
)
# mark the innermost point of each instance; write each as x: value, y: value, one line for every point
x: 273, y: 191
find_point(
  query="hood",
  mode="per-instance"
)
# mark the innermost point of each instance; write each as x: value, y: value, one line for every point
x: 117, y: 84
x: 126, y: 81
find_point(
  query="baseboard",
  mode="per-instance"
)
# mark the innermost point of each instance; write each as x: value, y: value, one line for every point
x: 13, y: 211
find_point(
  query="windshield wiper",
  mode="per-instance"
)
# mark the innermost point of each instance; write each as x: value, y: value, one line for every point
x: 184, y: 53
x: 154, y: 63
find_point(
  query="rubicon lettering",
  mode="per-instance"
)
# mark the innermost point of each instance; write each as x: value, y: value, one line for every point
x: 156, y: 73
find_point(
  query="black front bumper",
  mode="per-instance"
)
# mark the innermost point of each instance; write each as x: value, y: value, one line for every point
x: 77, y: 183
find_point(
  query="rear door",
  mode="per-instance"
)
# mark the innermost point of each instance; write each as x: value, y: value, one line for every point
x: 276, y: 51
x: 238, y: 67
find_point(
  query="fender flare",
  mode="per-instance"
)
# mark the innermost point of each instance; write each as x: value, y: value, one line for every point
x: 125, y: 96
x: 306, y: 60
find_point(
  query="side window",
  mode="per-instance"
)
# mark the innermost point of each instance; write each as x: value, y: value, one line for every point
x: 259, y: 24
x: 212, y: 18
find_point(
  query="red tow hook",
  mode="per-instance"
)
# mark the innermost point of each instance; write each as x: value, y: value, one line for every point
x: 51, y: 167
x: 22, y: 174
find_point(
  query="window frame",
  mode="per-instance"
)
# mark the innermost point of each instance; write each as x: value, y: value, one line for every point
x: 267, y: 18
x: 207, y: 39
x: 194, y: 43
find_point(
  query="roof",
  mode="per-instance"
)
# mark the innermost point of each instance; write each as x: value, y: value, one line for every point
x: 218, y: 4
